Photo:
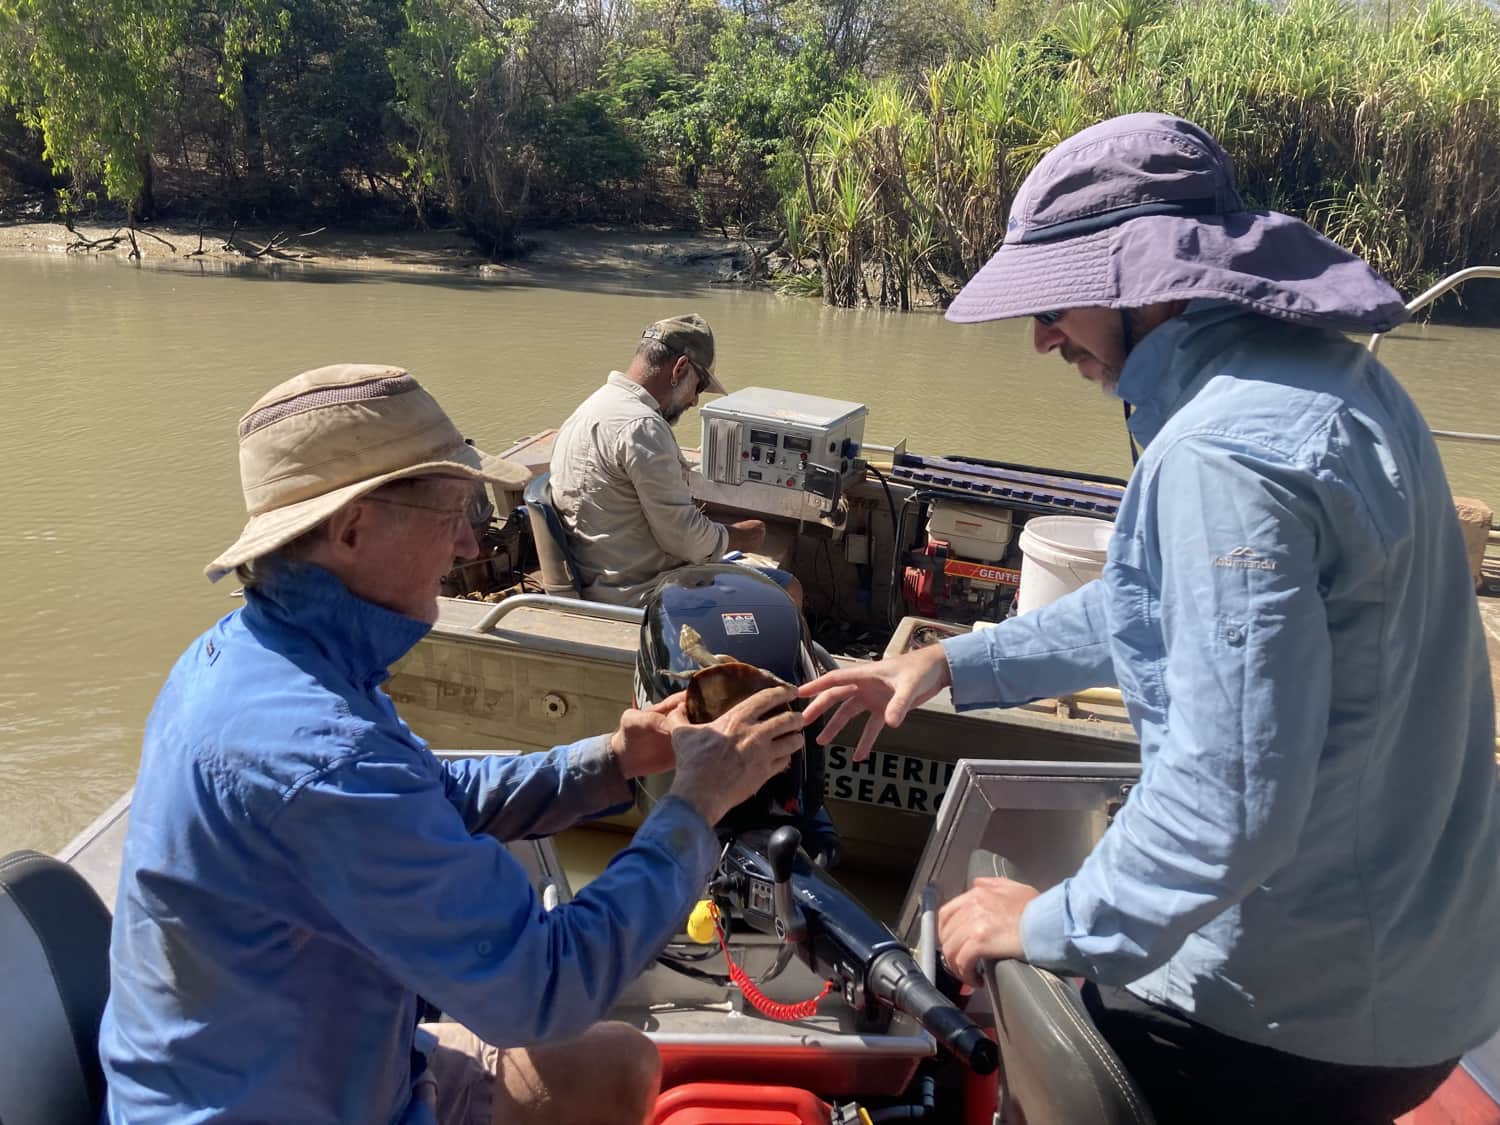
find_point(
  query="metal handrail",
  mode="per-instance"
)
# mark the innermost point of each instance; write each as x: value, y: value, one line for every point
x: 1457, y: 435
x: 602, y: 611
x: 1421, y: 301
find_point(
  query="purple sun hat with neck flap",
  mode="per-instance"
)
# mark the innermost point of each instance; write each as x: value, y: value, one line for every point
x: 1142, y: 208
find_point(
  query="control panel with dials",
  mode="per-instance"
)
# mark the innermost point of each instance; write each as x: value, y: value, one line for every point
x: 782, y: 451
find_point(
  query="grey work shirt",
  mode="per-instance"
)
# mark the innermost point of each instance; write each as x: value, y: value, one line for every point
x: 620, y: 486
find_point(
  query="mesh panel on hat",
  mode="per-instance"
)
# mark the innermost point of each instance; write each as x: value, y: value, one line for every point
x: 383, y: 387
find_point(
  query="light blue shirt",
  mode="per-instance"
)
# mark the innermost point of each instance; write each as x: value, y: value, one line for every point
x: 1310, y: 858
x: 299, y: 868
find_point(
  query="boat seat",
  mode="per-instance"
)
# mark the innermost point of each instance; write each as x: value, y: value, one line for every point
x: 1058, y: 1069
x: 559, y: 571
x: 54, y: 960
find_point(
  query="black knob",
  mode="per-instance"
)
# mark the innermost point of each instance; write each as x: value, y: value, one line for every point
x: 781, y: 850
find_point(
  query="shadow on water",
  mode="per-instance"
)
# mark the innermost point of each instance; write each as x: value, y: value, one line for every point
x: 629, y: 281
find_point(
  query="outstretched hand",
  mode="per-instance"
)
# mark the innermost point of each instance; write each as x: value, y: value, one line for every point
x: 885, y: 689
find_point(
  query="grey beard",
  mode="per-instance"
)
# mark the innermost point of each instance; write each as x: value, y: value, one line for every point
x: 672, y: 415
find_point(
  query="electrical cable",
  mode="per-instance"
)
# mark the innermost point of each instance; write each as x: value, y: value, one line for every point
x: 717, y: 979
x: 833, y: 582
x: 925, y: 1108
x: 890, y: 503
x: 893, y: 595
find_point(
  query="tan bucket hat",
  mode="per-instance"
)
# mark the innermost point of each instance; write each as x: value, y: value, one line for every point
x: 331, y: 435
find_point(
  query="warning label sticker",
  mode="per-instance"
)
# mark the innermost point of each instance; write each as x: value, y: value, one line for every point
x: 740, y: 624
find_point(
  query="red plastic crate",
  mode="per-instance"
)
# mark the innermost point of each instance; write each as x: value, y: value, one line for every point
x: 738, y: 1103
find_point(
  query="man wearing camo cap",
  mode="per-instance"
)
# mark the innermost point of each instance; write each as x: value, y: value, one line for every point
x: 620, y: 483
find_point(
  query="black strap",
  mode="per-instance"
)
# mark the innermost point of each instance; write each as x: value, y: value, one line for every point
x: 1128, y: 334
x: 1088, y: 224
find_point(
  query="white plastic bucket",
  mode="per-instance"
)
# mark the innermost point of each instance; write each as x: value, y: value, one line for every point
x: 1058, y: 554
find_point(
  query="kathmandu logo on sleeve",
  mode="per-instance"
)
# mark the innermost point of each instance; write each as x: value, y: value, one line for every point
x: 1245, y: 558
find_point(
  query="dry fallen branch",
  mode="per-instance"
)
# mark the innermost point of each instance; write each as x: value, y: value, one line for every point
x: 160, y: 239
x: 275, y: 247
x: 200, y: 250
x: 83, y: 243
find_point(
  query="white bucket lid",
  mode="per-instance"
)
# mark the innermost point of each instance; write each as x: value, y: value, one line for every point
x: 1081, y: 536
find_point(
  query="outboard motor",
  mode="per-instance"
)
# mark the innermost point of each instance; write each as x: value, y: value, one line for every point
x: 741, y: 613
x: 772, y: 874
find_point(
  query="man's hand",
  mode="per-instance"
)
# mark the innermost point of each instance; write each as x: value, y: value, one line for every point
x: 642, y: 745
x: 983, y: 924
x: 721, y: 763
x: 886, y: 689
x: 747, y: 535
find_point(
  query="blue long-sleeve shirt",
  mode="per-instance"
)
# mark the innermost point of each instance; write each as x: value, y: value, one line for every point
x: 1311, y: 859
x: 299, y: 868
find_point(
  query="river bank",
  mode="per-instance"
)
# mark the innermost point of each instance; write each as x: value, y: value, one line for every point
x: 616, y: 251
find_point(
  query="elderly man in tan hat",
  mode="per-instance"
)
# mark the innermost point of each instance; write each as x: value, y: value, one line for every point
x: 619, y: 481
x: 299, y: 868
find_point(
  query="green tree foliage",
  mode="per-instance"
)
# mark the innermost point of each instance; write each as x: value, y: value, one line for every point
x: 1388, y: 139
x: 585, y: 148
x: 93, y: 79
x: 460, y: 75
x: 885, y: 138
x: 311, y: 117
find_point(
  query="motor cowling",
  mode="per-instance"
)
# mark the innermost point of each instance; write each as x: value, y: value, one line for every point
x: 741, y: 613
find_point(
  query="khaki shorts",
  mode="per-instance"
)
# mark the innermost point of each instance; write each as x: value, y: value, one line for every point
x: 459, y: 1082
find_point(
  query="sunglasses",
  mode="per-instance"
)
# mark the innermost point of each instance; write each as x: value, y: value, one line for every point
x: 1048, y: 319
x: 704, y: 378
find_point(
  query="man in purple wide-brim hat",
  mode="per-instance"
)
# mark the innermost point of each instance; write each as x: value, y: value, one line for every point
x: 1293, y: 916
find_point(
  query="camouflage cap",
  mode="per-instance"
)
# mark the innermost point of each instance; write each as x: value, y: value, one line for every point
x: 689, y: 335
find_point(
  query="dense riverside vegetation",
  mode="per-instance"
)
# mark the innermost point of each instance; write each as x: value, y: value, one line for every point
x: 880, y: 141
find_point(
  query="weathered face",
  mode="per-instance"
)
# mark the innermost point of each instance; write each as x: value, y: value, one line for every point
x: 1090, y: 339
x: 684, y: 396
x: 415, y: 531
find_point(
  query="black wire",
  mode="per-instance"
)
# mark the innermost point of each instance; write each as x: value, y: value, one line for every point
x: 1127, y: 333
x: 893, y: 595
x: 688, y: 971
x: 833, y: 581
x: 695, y: 955
x: 889, y: 502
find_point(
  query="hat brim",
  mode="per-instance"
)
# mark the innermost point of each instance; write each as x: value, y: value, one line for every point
x: 1271, y: 263
x: 714, y: 386
x: 267, y: 531
x: 1023, y: 280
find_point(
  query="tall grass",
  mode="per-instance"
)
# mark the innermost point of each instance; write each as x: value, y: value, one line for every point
x: 1387, y: 138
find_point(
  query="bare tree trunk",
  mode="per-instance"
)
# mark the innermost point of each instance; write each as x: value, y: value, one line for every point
x: 143, y: 209
x: 829, y: 294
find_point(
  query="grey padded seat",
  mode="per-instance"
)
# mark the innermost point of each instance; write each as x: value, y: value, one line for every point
x: 559, y: 571
x: 54, y: 961
x: 1057, y: 1068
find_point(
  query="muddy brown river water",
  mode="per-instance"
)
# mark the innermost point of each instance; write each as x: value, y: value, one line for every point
x: 122, y: 387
